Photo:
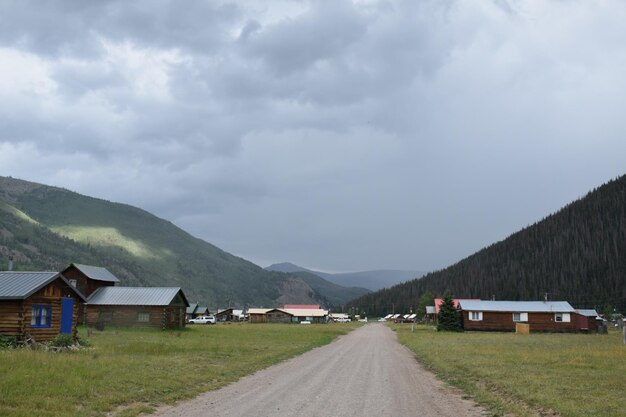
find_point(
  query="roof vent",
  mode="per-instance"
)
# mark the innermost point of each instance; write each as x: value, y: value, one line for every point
x: 10, y: 267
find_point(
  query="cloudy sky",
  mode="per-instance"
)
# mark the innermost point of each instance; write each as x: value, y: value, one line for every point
x: 339, y: 135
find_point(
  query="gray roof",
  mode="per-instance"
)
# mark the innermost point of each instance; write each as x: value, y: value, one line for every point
x: 192, y: 308
x: 16, y: 285
x: 96, y: 272
x: 517, y: 306
x: 588, y: 312
x: 139, y: 296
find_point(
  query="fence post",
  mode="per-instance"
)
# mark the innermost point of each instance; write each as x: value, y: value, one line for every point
x: 624, y: 330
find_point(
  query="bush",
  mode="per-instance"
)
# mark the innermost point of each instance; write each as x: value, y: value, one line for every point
x: 62, y: 340
x: 8, y: 342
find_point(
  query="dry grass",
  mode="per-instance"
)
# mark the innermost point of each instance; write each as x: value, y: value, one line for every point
x: 573, y: 375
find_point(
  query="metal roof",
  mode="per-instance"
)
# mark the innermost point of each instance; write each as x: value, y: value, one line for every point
x: 96, y: 272
x: 192, y: 308
x: 588, y: 312
x: 301, y: 312
x: 140, y: 296
x: 18, y: 285
x: 259, y: 310
x: 518, y: 306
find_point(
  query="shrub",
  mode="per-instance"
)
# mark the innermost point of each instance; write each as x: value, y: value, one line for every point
x: 62, y: 340
x: 8, y: 342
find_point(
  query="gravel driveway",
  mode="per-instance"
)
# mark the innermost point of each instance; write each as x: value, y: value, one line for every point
x: 364, y: 373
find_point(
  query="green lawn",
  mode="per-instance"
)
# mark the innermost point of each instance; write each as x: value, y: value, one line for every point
x: 575, y: 375
x: 131, y: 370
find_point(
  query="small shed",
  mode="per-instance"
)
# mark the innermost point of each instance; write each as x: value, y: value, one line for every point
x: 41, y: 305
x: 258, y: 315
x: 541, y: 316
x: 162, y: 307
x: 588, y: 320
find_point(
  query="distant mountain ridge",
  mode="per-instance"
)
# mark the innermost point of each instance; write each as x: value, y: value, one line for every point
x: 371, y: 280
x: 47, y: 228
x: 577, y: 254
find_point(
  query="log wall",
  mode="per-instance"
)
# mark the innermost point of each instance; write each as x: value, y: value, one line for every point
x: 169, y: 317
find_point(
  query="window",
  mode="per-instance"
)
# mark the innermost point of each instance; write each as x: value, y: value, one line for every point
x: 475, y: 315
x: 73, y: 283
x: 40, y: 316
x: 523, y: 317
x: 105, y: 316
x: 562, y: 317
x: 143, y: 317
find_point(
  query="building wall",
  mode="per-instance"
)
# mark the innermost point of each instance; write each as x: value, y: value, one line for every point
x: 11, y: 317
x: 503, y: 321
x: 275, y: 316
x: 257, y: 318
x: 168, y: 317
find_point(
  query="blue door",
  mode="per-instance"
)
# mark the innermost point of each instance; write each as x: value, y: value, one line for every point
x: 67, y: 313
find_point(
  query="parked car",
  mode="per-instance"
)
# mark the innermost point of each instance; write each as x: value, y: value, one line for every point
x: 305, y: 322
x: 343, y: 320
x: 203, y: 320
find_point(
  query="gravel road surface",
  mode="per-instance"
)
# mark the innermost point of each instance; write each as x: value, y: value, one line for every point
x: 364, y: 373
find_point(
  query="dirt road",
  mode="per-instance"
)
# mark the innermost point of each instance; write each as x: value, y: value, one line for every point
x: 365, y: 373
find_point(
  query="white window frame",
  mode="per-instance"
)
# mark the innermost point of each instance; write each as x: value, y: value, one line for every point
x: 562, y: 317
x: 521, y: 317
x: 475, y: 315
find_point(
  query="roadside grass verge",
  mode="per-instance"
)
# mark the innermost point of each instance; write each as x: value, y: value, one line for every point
x: 571, y: 375
x: 132, y: 370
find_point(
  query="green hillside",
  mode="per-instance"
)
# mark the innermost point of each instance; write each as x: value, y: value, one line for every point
x: 48, y: 228
x: 577, y: 254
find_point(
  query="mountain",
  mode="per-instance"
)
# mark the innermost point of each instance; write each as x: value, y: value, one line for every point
x: 371, y: 280
x: 336, y: 295
x: 47, y: 228
x: 577, y: 254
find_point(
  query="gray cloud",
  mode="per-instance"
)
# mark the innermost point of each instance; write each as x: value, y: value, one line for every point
x: 340, y: 135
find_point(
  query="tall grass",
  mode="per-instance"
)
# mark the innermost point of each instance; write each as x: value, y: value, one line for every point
x: 575, y: 375
x: 146, y: 367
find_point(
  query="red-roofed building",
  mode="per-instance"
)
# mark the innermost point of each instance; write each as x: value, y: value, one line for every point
x: 438, y: 302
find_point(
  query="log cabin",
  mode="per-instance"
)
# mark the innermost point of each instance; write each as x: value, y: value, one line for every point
x: 541, y: 316
x: 39, y: 305
x: 162, y: 307
x: 87, y: 279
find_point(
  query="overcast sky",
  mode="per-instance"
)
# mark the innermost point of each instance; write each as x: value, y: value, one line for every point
x: 338, y: 135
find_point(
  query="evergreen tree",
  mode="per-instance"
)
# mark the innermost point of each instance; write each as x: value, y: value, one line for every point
x: 448, y: 317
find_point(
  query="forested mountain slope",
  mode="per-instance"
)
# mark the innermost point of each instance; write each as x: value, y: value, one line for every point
x: 48, y: 228
x: 577, y: 254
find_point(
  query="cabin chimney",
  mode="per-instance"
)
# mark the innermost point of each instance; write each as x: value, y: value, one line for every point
x: 10, y: 267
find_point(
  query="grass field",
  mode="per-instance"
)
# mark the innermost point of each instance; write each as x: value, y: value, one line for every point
x: 131, y: 370
x: 574, y: 375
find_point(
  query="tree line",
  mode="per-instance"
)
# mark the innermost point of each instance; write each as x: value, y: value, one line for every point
x: 577, y: 254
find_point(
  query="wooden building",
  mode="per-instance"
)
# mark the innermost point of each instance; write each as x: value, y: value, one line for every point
x: 87, y: 279
x: 588, y: 320
x: 40, y: 305
x: 541, y: 316
x: 283, y: 315
x: 162, y: 307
